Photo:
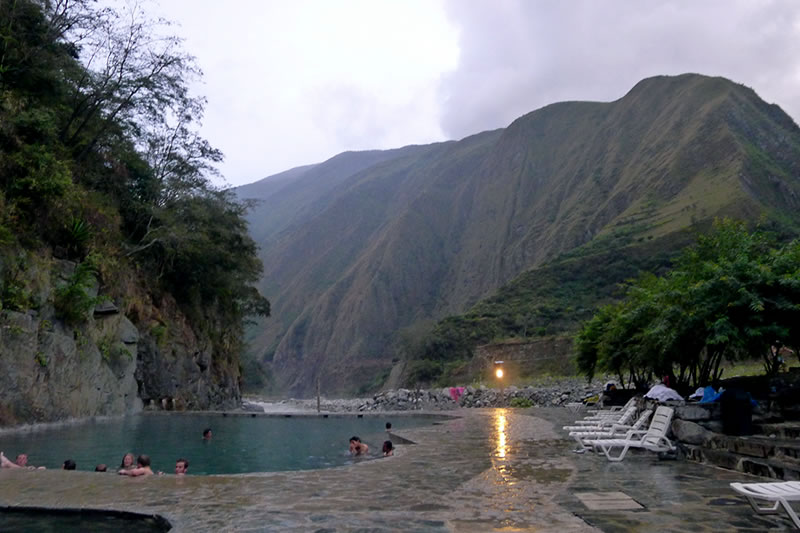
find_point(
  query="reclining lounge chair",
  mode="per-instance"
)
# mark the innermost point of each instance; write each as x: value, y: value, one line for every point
x: 616, y: 431
x: 779, y: 493
x: 624, y: 418
x: 654, y: 439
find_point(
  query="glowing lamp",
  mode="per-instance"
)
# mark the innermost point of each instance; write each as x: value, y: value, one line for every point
x: 498, y: 369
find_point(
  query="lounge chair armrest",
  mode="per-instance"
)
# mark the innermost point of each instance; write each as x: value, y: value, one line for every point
x: 620, y: 427
x: 639, y: 433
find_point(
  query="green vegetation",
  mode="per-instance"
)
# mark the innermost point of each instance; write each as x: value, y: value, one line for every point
x: 550, y: 300
x: 101, y: 165
x: 73, y: 300
x: 520, y: 402
x: 733, y: 296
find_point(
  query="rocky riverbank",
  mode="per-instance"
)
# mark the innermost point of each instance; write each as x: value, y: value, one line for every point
x: 553, y: 393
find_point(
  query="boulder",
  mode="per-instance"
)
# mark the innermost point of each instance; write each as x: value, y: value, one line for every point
x: 690, y: 432
x: 694, y: 412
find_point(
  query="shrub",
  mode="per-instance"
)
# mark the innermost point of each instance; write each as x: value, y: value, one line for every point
x: 72, y: 301
x: 424, y: 370
x: 520, y: 402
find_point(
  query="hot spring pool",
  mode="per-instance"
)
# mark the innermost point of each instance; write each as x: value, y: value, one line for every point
x: 240, y: 443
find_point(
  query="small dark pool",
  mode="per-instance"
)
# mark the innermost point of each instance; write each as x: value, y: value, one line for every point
x: 24, y: 519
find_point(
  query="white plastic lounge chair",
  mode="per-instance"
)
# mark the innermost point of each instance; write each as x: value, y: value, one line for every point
x: 614, y: 408
x: 654, y: 439
x: 602, y: 424
x: 780, y: 493
x: 575, y: 406
x: 604, y: 414
x: 614, y: 432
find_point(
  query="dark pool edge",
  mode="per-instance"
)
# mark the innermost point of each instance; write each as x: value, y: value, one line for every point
x: 312, y: 414
x: 160, y: 521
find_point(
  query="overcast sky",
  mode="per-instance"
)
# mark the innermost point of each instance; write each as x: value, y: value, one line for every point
x: 293, y: 82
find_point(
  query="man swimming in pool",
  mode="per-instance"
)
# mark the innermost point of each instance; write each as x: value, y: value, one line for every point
x: 21, y: 462
x: 181, y: 466
x: 357, y: 447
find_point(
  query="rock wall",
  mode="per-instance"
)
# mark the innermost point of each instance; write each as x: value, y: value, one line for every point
x: 558, y: 392
x: 531, y: 358
x: 112, y: 363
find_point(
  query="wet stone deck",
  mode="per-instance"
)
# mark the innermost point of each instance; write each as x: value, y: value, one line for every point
x: 488, y: 470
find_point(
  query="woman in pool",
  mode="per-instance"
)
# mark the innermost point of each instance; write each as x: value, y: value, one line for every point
x: 128, y: 462
x: 388, y: 448
x: 142, y: 468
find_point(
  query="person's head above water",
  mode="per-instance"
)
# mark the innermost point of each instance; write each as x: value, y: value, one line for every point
x: 357, y: 447
x: 143, y: 460
x: 181, y: 465
x: 22, y: 459
x: 69, y: 464
x: 207, y: 433
x: 101, y: 468
x: 388, y: 448
x: 388, y: 426
x: 128, y: 461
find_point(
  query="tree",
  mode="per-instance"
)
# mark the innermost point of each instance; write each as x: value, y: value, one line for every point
x: 100, y: 156
x: 736, y: 294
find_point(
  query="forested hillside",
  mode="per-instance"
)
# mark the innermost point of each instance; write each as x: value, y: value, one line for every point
x: 125, y: 274
x: 599, y: 190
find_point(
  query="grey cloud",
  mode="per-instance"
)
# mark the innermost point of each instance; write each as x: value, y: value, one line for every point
x: 519, y: 55
x: 349, y: 115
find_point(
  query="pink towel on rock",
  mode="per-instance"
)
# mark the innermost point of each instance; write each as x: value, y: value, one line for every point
x: 456, y: 392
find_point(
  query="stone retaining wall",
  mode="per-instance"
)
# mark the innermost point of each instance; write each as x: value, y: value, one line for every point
x: 541, y: 356
x: 772, y: 452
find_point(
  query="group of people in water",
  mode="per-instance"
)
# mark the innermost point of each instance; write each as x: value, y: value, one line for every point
x: 130, y: 465
x: 358, y: 448
x: 140, y: 466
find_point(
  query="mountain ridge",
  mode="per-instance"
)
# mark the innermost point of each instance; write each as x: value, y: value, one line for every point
x: 428, y: 231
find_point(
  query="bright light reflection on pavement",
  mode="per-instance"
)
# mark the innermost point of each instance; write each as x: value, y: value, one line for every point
x: 501, y: 435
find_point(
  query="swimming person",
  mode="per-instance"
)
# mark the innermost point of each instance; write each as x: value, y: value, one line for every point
x: 181, y: 466
x: 128, y: 462
x: 69, y: 464
x: 142, y: 468
x: 357, y: 447
x: 21, y: 462
x: 6, y: 463
x: 388, y: 427
x: 207, y: 434
x: 101, y: 468
x: 388, y: 448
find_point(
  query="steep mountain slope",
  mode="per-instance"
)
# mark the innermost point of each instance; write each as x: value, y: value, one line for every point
x: 362, y: 252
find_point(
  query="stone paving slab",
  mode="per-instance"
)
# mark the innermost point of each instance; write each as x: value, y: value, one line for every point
x: 607, y: 501
x: 489, y: 470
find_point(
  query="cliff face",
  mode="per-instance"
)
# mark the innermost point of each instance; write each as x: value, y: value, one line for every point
x: 107, y: 365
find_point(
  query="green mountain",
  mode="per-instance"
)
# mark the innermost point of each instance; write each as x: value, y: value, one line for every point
x: 367, y: 245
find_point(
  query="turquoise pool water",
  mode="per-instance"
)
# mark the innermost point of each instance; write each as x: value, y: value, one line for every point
x: 240, y: 444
